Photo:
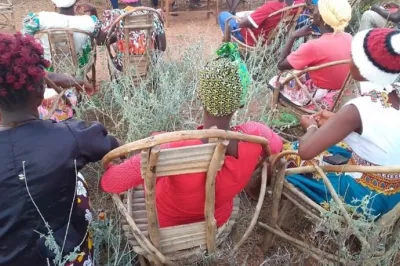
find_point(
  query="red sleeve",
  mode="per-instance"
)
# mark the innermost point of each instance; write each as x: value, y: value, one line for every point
x: 261, y: 130
x: 303, y: 57
x: 120, y: 178
x: 261, y: 14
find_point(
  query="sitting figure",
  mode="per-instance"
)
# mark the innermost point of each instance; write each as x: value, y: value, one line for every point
x: 42, y: 194
x: 368, y: 126
x: 331, y: 17
x: 379, y: 16
x: 180, y: 198
x: 256, y: 22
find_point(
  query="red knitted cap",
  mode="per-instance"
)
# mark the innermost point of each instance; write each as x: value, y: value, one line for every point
x: 376, y: 53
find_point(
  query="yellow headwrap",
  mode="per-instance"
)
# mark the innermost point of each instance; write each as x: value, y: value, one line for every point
x: 335, y: 13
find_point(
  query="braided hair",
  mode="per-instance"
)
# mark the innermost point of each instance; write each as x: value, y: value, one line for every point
x: 21, y: 69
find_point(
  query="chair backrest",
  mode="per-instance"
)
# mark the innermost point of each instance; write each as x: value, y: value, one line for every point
x: 136, y: 61
x: 64, y: 57
x: 204, y: 158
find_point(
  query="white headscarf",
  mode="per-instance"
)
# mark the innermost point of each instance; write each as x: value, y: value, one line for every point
x: 64, y: 3
x: 335, y: 13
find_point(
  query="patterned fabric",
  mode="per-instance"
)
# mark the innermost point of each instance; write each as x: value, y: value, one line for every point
x: 31, y: 25
x: 224, y: 82
x: 137, y: 39
x: 293, y: 93
x: 82, y: 208
x: 64, y: 111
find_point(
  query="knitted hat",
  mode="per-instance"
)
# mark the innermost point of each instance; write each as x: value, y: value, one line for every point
x: 376, y: 53
x: 335, y: 13
x: 64, y: 3
x: 224, y: 82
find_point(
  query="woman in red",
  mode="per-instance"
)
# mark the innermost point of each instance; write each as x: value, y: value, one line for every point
x: 180, y: 198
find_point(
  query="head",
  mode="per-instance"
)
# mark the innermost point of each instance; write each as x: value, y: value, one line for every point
x: 223, y: 84
x: 21, y: 72
x: 66, y: 7
x: 134, y: 3
x: 334, y: 14
x: 376, y: 56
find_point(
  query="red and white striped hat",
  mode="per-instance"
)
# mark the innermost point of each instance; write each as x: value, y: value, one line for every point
x: 376, y: 53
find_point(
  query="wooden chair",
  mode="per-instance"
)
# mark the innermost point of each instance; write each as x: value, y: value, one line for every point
x: 276, y: 99
x: 64, y: 56
x: 294, y: 198
x: 136, y: 65
x: 183, y: 244
x: 7, y: 14
x: 289, y: 16
x: 166, y: 5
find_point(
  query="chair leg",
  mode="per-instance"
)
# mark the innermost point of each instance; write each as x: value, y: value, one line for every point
x: 269, y: 238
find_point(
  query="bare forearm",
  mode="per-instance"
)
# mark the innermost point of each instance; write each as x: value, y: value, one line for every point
x: 286, y: 50
x: 391, y: 16
x: 64, y: 81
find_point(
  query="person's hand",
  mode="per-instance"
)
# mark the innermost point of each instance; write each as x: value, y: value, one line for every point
x: 88, y: 88
x: 302, y: 32
x: 322, y: 116
x: 84, y: 7
x: 391, y: 5
x: 307, y: 120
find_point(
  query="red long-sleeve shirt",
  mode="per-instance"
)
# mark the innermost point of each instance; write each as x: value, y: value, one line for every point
x: 180, y: 198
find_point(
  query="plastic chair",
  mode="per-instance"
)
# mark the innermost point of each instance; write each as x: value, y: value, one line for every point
x: 183, y: 244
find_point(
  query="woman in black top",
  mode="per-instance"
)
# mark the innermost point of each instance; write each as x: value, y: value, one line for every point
x: 40, y: 188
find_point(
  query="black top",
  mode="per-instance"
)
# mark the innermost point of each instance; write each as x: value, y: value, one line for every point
x: 49, y: 151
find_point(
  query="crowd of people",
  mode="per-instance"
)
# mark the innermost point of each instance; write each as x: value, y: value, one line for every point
x: 41, y: 195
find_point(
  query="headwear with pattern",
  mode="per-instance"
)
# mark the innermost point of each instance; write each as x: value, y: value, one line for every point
x: 64, y: 3
x: 335, y: 13
x: 224, y: 82
x: 376, y: 53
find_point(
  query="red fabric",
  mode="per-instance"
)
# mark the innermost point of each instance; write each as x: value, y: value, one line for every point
x: 180, y: 198
x: 264, y: 25
x: 328, y: 48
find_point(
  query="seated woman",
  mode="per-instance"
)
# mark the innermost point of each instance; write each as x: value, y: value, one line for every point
x: 367, y: 124
x: 137, y: 39
x: 180, y: 198
x: 258, y: 21
x: 332, y: 17
x: 41, y: 191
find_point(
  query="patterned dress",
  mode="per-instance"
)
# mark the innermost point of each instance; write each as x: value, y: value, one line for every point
x: 137, y: 39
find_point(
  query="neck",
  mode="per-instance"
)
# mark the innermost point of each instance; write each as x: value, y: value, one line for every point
x: 70, y: 11
x: 325, y: 29
x: 17, y: 116
x: 223, y: 123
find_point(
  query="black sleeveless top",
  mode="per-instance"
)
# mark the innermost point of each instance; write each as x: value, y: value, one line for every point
x: 49, y: 152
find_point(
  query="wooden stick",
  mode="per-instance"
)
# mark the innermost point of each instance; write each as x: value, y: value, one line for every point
x: 305, y: 89
x: 140, y: 238
x: 183, y: 135
x: 341, y: 93
x: 301, y: 207
x: 211, y: 223
x: 264, y: 177
x: 345, y: 169
x: 150, y: 182
x: 55, y: 104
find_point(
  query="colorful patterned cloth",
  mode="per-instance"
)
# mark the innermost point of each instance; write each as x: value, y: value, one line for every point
x: 382, y: 190
x: 224, y: 82
x: 137, y: 39
x: 293, y: 93
x: 64, y: 111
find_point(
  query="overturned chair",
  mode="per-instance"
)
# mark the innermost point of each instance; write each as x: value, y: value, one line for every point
x: 287, y: 198
x: 182, y: 244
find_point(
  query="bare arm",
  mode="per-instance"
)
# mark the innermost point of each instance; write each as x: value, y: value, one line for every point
x: 338, y: 127
x: 245, y: 23
x: 67, y: 81
x: 391, y: 16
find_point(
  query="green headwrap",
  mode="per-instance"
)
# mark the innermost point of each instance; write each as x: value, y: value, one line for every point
x: 224, y: 82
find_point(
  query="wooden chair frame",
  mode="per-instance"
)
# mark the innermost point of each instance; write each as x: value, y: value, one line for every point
x: 296, y: 76
x: 295, y: 198
x: 141, y: 62
x: 287, y: 22
x: 165, y: 5
x: 7, y: 13
x: 208, y: 236
x: 66, y: 36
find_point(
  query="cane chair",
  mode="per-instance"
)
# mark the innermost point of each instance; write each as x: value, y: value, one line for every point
x: 7, y: 18
x: 292, y: 199
x: 64, y: 56
x: 289, y: 16
x: 138, y: 65
x: 183, y: 244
